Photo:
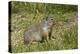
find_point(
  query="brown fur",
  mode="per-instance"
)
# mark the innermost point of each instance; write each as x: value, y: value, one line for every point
x: 39, y: 31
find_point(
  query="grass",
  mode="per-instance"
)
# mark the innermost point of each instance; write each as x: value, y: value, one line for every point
x: 65, y: 35
x: 64, y: 31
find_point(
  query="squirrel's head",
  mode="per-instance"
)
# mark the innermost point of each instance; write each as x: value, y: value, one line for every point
x: 50, y: 20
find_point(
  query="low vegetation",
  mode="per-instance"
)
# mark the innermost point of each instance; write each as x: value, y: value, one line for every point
x: 64, y: 33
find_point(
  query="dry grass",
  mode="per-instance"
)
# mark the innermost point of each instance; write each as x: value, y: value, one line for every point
x: 64, y: 33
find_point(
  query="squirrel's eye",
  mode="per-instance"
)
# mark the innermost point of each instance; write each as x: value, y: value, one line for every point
x: 51, y: 19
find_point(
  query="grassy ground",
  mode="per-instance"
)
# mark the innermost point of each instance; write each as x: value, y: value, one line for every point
x: 64, y: 31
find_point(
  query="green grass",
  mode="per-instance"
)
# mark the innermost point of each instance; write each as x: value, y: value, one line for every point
x: 65, y: 35
x: 64, y: 31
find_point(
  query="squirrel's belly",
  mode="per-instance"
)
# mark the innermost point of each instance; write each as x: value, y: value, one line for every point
x: 45, y: 31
